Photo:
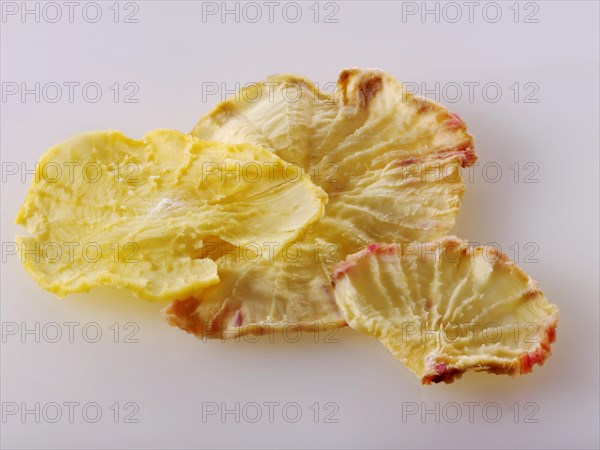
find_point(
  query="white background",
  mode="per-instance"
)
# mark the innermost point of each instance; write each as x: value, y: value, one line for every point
x: 169, y: 53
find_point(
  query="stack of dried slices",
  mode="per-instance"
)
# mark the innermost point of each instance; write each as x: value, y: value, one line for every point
x: 287, y: 206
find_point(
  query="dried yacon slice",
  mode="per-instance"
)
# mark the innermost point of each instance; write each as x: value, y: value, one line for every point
x: 444, y: 308
x: 389, y: 161
x: 108, y: 210
x: 287, y: 292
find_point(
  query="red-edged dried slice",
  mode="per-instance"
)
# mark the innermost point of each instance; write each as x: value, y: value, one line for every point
x: 444, y: 308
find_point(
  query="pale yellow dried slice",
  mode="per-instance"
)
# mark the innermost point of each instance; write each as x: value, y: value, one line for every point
x: 444, y: 308
x: 389, y: 161
x: 139, y: 214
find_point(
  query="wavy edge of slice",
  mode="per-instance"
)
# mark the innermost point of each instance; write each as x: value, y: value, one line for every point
x: 183, y: 315
x: 355, y: 87
x: 359, y: 92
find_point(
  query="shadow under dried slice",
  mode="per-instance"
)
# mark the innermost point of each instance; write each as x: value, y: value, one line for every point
x: 389, y: 161
x: 141, y: 214
x: 444, y: 308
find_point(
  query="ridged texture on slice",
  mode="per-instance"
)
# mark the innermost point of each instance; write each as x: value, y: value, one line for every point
x: 139, y: 214
x: 389, y: 161
x: 444, y: 308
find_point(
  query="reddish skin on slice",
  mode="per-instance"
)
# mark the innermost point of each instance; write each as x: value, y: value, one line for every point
x: 539, y: 355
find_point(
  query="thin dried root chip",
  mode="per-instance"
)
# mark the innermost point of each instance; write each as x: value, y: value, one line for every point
x: 288, y: 291
x: 389, y: 161
x: 108, y: 210
x: 261, y: 298
x: 444, y: 308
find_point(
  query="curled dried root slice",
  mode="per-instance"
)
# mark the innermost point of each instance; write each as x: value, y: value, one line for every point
x: 444, y: 308
x: 389, y: 161
x: 140, y: 214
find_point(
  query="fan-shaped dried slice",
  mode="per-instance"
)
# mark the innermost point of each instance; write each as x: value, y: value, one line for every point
x: 444, y: 308
x: 389, y: 161
x: 108, y: 210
